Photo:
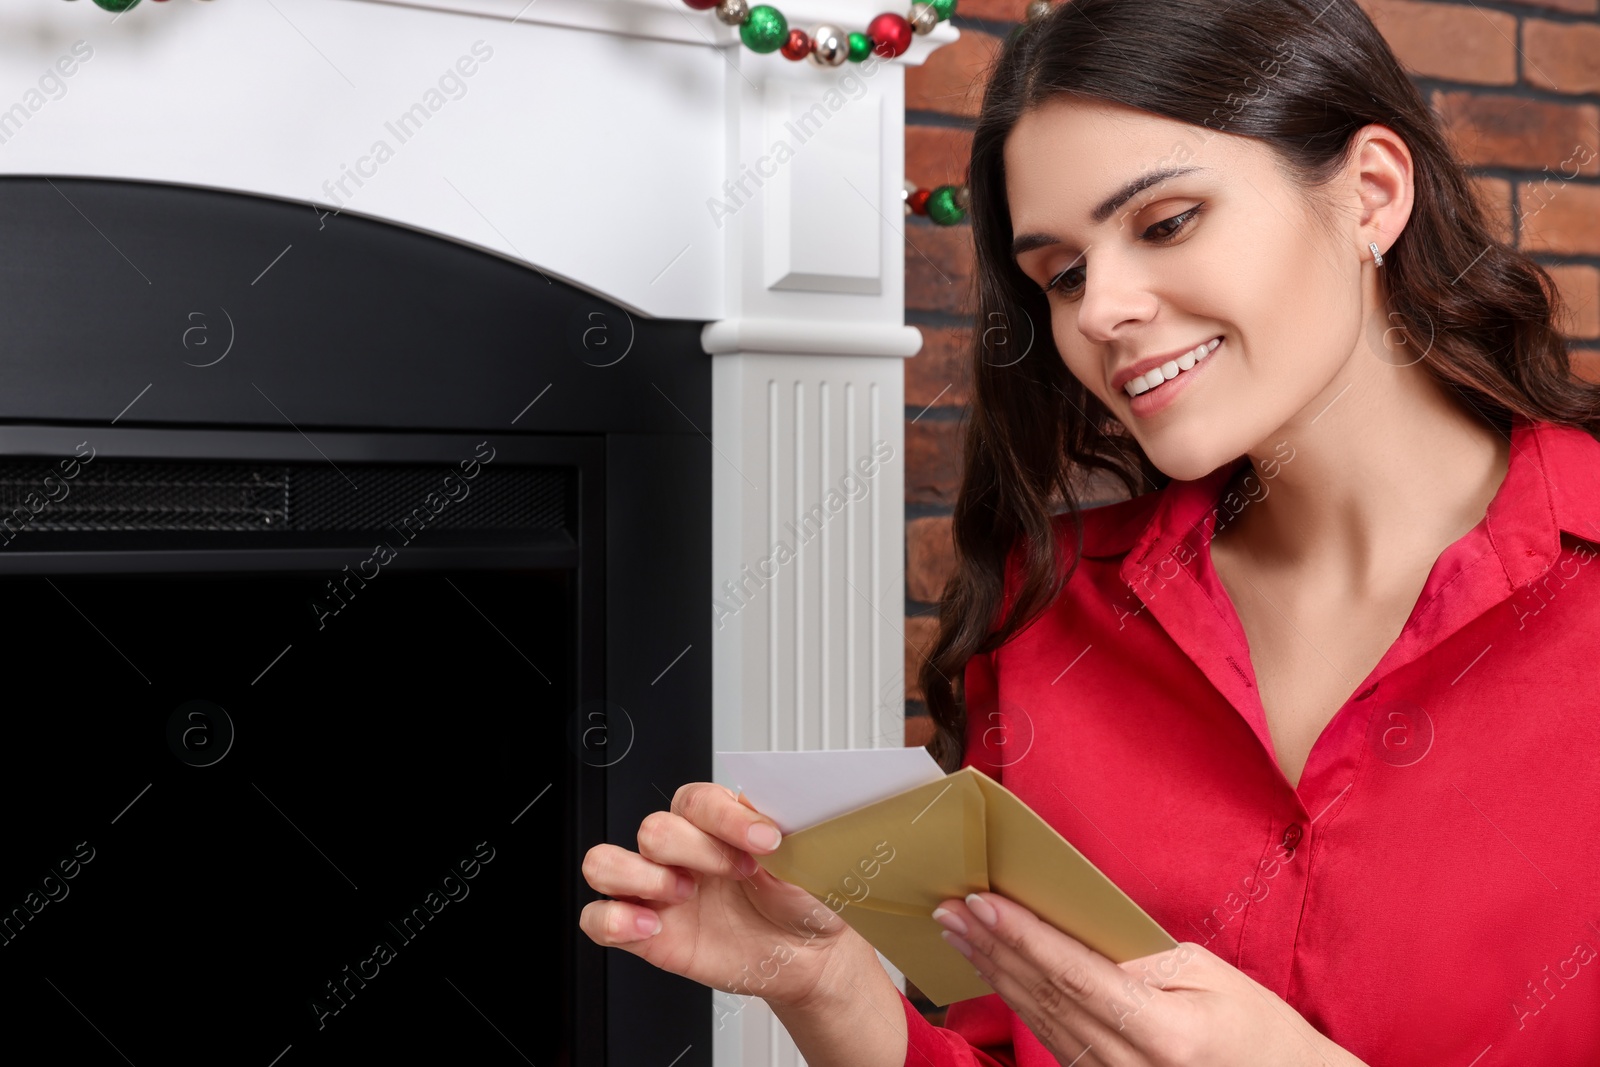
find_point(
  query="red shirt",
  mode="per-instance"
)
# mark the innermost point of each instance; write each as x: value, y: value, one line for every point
x: 1428, y: 894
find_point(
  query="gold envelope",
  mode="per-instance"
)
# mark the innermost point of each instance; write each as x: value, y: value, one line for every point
x: 895, y: 860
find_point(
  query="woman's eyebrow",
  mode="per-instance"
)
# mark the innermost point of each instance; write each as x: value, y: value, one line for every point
x: 1027, y: 242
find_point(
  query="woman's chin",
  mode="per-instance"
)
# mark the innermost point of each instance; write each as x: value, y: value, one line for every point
x: 1188, y: 464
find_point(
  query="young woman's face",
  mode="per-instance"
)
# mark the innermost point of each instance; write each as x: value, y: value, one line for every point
x: 1228, y: 252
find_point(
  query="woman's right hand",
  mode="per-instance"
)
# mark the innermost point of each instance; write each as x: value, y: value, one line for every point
x: 693, y: 901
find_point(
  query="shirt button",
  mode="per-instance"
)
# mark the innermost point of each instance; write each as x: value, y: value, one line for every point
x: 1291, y: 837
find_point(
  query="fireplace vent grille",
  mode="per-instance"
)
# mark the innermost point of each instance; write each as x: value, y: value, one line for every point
x: 111, y: 495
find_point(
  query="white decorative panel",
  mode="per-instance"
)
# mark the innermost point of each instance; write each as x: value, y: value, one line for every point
x: 810, y: 591
x: 824, y: 210
x: 810, y: 580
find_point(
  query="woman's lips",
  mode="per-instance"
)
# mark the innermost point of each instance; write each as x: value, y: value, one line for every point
x: 1158, y: 398
x: 1171, y: 369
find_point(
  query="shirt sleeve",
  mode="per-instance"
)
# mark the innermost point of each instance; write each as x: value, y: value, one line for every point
x: 977, y: 1032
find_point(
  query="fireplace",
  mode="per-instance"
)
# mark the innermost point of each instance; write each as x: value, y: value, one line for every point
x: 280, y: 270
x: 347, y: 610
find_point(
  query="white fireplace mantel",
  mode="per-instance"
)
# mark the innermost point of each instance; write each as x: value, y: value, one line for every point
x: 634, y: 149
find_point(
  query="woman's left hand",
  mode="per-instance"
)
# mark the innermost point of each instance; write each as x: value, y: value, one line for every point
x: 1182, y: 1007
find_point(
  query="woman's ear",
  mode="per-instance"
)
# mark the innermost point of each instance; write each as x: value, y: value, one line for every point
x: 1384, y: 178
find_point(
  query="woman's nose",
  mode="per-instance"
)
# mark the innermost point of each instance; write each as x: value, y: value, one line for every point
x: 1116, y: 292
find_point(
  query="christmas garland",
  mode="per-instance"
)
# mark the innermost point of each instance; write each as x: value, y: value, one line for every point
x: 764, y: 29
x: 121, y: 5
x: 946, y: 205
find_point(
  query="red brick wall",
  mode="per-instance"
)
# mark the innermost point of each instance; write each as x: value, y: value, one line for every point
x: 1518, y: 84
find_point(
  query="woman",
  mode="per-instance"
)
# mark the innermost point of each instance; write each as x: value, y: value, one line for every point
x: 1313, y: 696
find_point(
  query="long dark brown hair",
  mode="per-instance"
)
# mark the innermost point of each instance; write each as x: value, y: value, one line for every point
x: 1302, y: 76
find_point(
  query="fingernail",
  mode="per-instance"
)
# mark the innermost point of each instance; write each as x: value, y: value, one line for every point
x: 746, y: 864
x: 648, y: 924
x: 950, y: 921
x: 982, y: 909
x: 763, y: 836
x: 686, y: 886
x: 956, y: 943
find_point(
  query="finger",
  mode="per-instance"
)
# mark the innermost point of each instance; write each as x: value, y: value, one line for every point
x: 672, y: 839
x: 616, y: 872
x: 1052, y: 976
x: 1010, y: 934
x: 718, y: 811
x: 1075, y: 1036
x: 616, y: 923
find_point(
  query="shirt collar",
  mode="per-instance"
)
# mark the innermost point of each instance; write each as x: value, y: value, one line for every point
x: 1552, y: 484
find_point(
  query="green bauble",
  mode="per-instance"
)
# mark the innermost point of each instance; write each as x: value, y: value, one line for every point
x: 117, y: 5
x: 766, y: 30
x: 860, y: 47
x: 942, y: 206
x: 943, y: 8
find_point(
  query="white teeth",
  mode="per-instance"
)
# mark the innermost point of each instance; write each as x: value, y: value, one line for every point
x: 1171, y: 369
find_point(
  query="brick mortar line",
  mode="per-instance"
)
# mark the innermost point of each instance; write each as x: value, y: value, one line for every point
x: 1522, y: 12
x: 1521, y: 46
x: 1516, y: 175
x: 993, y: 27
x: 942, y: 413
x: 1427, y: 83
x: 927, y: 119
x: 1544, y: 260
x: 1000, y: 27
x: 934, y: 317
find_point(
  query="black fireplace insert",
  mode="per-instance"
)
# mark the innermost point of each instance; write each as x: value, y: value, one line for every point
x: 356, y: 587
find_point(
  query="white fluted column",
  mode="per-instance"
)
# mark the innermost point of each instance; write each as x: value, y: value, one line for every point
x: 808, y: 403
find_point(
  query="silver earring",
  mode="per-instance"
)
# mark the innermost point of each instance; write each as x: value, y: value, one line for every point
x: 1377, y: 257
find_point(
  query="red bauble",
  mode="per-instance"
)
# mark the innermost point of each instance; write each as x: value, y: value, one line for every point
x: 919, y: 201
x: 798, y: 46
x: 701, y: 5
x: 890, y: 34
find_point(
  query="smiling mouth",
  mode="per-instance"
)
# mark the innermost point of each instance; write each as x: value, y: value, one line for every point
x: 1170, y: 369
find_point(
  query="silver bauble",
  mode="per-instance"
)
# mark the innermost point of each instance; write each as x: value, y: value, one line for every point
x: 923, y: 18
x: 963, y: 198
x: 830, y: 46
x: 1037, y: 9
x: 734, y: 12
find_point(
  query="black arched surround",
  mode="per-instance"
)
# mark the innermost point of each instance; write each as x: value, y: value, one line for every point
x: 231, y: 363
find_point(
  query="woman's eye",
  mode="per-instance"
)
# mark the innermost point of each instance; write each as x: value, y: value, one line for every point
x: 1055, y: 283
x: 1170, y: 227
x: 1159, y: 233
